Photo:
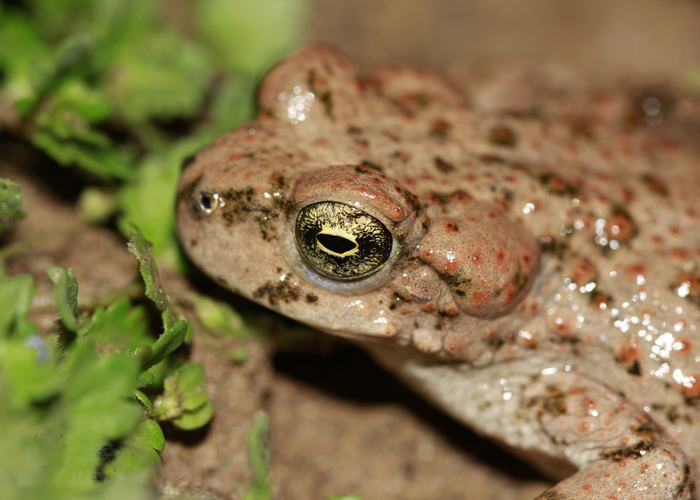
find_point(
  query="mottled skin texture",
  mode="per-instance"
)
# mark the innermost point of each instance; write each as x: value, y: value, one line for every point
x: 544, y: 287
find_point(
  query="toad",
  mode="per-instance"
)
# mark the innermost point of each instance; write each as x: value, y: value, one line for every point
x: 536, y: 277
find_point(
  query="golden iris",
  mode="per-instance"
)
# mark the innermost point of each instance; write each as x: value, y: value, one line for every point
x: 340, y: 241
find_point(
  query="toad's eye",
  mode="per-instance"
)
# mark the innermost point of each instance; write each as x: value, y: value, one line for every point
x: 341, y: 242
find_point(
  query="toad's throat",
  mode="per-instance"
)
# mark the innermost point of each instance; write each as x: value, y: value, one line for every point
x: 337, y: 242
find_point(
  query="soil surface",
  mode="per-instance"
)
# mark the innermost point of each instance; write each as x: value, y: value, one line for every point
x: 340, y: 425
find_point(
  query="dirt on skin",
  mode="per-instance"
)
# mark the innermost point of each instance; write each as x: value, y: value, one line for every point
x: 339, y: 424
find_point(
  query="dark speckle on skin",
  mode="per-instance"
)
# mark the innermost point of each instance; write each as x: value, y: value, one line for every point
x: 635, y: 451
x: 442, y: 165
x: 503, y: 135
x: 553, y: 402
x: 311, y: 298
x: 556, y: 185
x: 552, y: 494
x: 239, y: 204
x: 655, y: 184
x: 440, y: 129
x: 279, y: 291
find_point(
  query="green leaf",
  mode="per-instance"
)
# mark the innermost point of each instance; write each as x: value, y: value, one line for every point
x: 16, y: 295
x: 98, y: 405
x: 24, y: 57
x: 140, y: 450
x: 142, y: 249
x: 64, y: 128
x: 97, y: 205
x: 175, y: 329
x: 10, y: 204
x: 32, y: 377
x: 232, y: 105
x: 259, y: 458
x: 249, y: 35
x: 118, y: 327
x: 65, y: 292
x: 160, y: 76
x: 174, y: 334
x: 184, y: 400
x: 148, y: 201
x: 218, y: 316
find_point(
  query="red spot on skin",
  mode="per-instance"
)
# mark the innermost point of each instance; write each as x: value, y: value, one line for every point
x: 451, y: 312
x: 234, y: 157
x: 491, y: 215
x: 450, y: 226
x: 586, y: 487
x: 674, y: 230
x: 526, y: 261
x: 583, y: 426
x: 691, y: 386
x: 429, y: 308
x: 426, y: 256
x: 635, y: 269
x: 620, y: 227
x: 527, y: 339
x: 500, y: 257
x: 628, y: 352
x: 583, y: 271
x: 628, y: 194
x: 685, y: 346
x: 479, y: 298
x: 560, y: 326
x: 657, y: 240
x: 461, y: 197
x: 475, y: 259
x: 680, y: 253
x: 452, y: 266
x: 509, y: 292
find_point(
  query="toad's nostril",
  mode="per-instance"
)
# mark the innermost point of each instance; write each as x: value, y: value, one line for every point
x: 208, y: 202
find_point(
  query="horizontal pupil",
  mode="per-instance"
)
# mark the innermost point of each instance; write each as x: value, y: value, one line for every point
x: 336, y: 244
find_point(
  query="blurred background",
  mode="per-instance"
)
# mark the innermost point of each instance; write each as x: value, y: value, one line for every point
x: 600, y: 38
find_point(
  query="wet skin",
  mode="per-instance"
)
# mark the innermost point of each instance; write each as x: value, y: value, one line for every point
x: 536, y: 277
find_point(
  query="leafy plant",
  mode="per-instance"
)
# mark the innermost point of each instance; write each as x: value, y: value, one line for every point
x: 113, y: 91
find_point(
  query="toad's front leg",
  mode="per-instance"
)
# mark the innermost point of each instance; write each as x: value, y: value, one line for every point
x: 547, y: 408
x: 621, y: 453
